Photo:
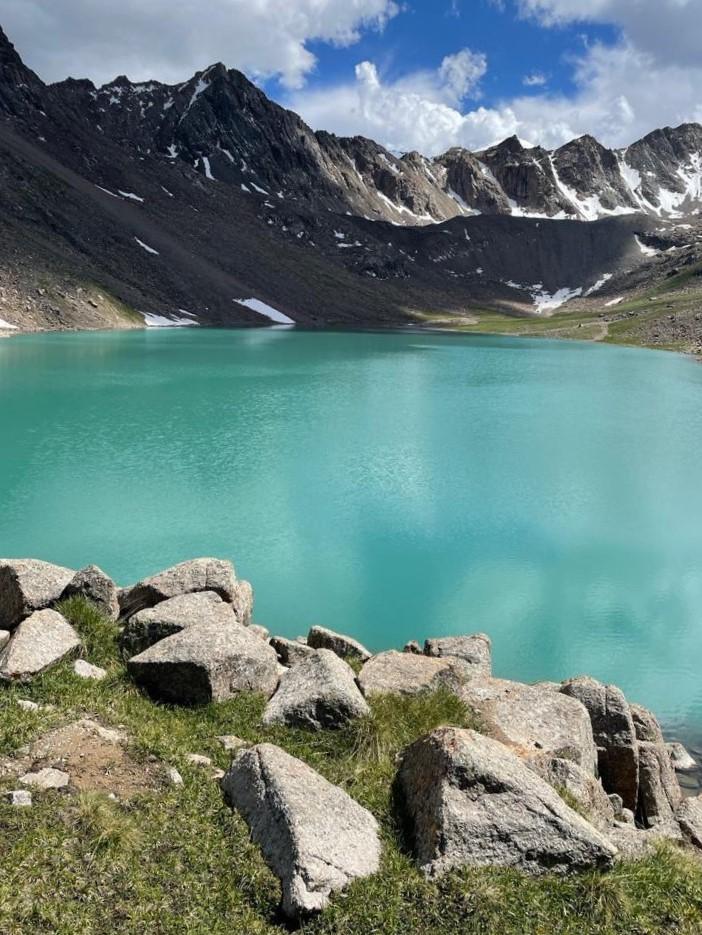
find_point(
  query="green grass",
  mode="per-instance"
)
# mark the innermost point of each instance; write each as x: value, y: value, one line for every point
x: 176, y: 861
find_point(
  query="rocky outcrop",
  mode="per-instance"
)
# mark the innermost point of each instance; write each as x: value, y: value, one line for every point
x: 206, y: 662
x: 533, y: 720
x: 394, y: 673
x: 615, y: 736
x: 344, y: 646
x: 93, y: 584
x: 475, y: 649
x: 471, y: 802
x: 319, y: 693
x: 147, y: 627
x: 313, y: 836
x: 27, y: 585
x: 200, y: 574
x: 40, y: 641
x: 290, y: 651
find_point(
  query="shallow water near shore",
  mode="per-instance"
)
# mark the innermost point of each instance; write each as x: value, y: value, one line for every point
x: 392, y: 485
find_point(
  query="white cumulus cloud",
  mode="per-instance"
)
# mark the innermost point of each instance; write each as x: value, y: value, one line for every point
x: 170, y: 39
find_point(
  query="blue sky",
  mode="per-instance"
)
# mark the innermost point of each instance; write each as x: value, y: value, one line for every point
x: 412, y: 74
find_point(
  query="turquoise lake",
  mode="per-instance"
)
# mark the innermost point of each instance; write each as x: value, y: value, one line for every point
x: 393, y: 486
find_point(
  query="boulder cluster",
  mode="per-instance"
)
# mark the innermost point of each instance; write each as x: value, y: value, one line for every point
x: 556, y: 777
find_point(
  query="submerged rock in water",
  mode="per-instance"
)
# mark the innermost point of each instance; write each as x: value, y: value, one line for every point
x: 27, y: 585
x: 206, y: 662
x: 344, y: 646
x: 39, y: 642
x: 199, y: 574
x: 313, y: 836
x: 319, y: 693
x: 471, y: 802
x: 93, y: 584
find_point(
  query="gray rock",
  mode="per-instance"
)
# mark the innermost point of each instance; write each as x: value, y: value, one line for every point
x: 471, y: 802
x: 319, y: 693
x: 659, y: 791
x: 412, y: 647
x: 680, y: 758
x: 40, y: 641
x: 4, y: 638
x: 290, y: 652
x: 689, y: 818
x: 20, y: 798
x: 84, y: 670
x: 645, y: 724
x: 567, y: 777
x: 614, y: 733
x: 173, y: 776
x: 147, y: 627
x: 27, y: 585
x: 261, y: 632
x: 47, y: 778
x: 199, y: 574
x: 313, y: 836
x: 533, y: 720
x: 93, y: 584
x: 634, y: 843
x: 243, y: 601
x: 344, y: 646
x: 206, y: 662
x: 475, y: 649
x: 232, y: 743
x: 198, y: 759
x: 393, y: 673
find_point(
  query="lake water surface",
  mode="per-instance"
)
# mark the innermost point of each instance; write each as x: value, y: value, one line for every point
x: 393, y: 486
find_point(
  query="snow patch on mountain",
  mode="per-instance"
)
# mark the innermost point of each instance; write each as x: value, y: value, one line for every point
x: 256, y: 305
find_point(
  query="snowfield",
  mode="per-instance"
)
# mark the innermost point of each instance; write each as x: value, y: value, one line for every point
x: 271, y: 313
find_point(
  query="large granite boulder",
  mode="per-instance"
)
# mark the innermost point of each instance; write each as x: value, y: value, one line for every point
x: 199, y: 574
x: 393, y: 673
x: 291, y: 652
x: 475, y: 649
x: 93, y: 584
x: 615, y: 735
x: 243, y: 601
x: 646, y: 724
x: 27, y: 585
x: 472, y: 802
x: 567, y: 778
x: 206, y: 662
x: 313, y: 836
x: 319, y: 693
x: 659, y: 790
x: 147, y: 627
x: 40, y: 641
x: 344, y: 646
x: 533, y: 720
x: 689, y: 817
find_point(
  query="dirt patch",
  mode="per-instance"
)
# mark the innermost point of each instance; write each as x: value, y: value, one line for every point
x: 96, y: 758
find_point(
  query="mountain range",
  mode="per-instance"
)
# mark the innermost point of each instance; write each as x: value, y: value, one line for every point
x: 207, y: 203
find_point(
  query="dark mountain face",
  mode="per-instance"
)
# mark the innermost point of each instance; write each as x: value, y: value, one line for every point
x: 179, y: 201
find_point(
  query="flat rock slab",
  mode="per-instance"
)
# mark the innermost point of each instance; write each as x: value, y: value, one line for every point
x: 475, y: 649
x: 314, y: 837
x: 206, y: 662
x: 85, y: 670
x: 27, y: 585
x: 471, y: 802
x: 290, y: 652
x: 318, y: 693
x: 533, y: 720
x: 615, y: 736
x: 394, y: 673
x: 199, y: 574
x: 20, y: 798
x: 39, y: 642
x: 94, y: 585
x: 344, y: 646
x: 47, y: 778
x: 148, y: 627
